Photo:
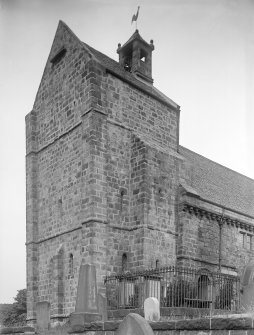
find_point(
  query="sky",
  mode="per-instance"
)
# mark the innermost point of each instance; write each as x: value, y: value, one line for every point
x: 203, y: 60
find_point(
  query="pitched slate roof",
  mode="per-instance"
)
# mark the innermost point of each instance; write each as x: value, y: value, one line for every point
x: 115, y: 68
x: 136, y: 35
x: 219, y: 184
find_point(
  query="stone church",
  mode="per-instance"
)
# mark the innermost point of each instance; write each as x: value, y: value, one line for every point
x: 108, y: 183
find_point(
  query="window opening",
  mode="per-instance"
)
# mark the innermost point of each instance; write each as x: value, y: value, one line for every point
x: 127, y: 63
x: 248, y: 242
x: 124, y: 262
x: 121, y: 200
x: 71, y: 265
x: 143, y: 56
x: 56, y: 59
x: 204, y: 288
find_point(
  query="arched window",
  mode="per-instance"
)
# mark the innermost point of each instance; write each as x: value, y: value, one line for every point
x: 124, y: 262
x: 71, y: 270
x: 204, y: 288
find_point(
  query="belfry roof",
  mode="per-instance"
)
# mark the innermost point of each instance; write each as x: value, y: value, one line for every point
x: 135, y: 36
x: 218, y: 183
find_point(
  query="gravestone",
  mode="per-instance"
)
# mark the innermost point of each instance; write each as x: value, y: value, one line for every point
x: 102, y: 305
x: 247, y: 299
x: 152, y: 309
x: 86, y: 309
x: 134, y: 324
x: 43, y: 315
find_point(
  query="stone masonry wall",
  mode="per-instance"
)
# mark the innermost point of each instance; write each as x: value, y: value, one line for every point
x: 199, y: 241
x: 56, y: 171
x: 140, y: 112
x: 90, y: 140
x: 152, y: 127
x: 210, y: 233
x: 161, y: 208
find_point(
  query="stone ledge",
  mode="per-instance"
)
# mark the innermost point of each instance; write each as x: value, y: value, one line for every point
x: 15, y: 330
x: 95, y: 326
x: 203, y: 324
x: 111, y: 325
x: 194, y: 324
x: 232, y: 323
x: 121, y: 313
x: 178, y: 313
x: 163, y: 325
x: 91, y: 326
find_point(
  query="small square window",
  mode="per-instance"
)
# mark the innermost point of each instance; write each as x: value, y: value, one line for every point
x: 246, y: 241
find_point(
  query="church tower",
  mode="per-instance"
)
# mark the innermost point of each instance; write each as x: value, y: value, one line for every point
x: 102, y: 168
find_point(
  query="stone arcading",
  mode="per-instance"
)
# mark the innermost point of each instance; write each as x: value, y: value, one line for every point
x: 221, y: 219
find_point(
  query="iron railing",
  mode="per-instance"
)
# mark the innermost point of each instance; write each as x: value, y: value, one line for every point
x: 173, y: 287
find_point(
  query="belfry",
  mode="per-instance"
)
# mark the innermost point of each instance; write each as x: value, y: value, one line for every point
x: 136, y: 57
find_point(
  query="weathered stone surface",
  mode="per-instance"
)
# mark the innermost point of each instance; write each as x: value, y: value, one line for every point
x: 16, y: 330
x: 79, y: 319
x: 91, y: 136
x: 238, y: 332
x: 86, y: 326
x: 112, y: 325
x: 43, y: 315
x: 219, y: 332
x: 152, y: 309
x: 173, y: 313
x: 231, y: 323
x: 194, y: 324
x: 122, y: 313
x: 134, y: 324
x: 87, y: 298
x: 102, y: 306
x: 163, y: 325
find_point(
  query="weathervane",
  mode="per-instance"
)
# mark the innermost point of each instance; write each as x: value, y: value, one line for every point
x: 135, y: 17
